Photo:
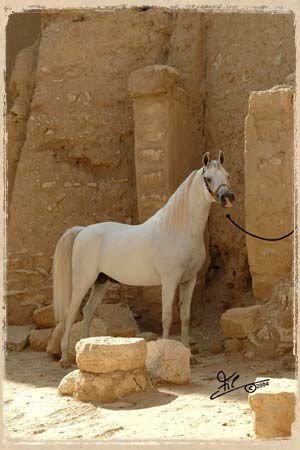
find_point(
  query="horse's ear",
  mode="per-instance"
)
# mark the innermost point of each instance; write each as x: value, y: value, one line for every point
x: 205, y: 159
x: 221, y: 157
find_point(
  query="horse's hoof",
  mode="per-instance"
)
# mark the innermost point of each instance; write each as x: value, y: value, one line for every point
x: 65, y: 363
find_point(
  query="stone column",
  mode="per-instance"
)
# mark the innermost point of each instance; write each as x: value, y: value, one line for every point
x: 162, y: 157
x: 269, y: 186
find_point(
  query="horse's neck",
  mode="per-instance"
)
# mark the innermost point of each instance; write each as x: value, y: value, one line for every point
x: 187, y: 209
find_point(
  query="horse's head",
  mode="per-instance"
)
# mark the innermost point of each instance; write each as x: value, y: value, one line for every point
x: 216, y: 181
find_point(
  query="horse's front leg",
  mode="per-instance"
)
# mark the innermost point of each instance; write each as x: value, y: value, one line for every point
x: 168, y: 293
x: 186, y: 293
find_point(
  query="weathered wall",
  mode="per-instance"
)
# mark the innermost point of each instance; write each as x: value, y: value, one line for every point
x: 76, y: 166
x: 22, y: 30
x: 245, y: 52
x: 269, y: 186
x: 77, y: 163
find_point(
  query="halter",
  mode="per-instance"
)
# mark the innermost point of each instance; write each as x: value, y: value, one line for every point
x: 213, y: 194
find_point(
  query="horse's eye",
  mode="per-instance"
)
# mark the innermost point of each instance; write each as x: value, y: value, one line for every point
x: 208, y: 179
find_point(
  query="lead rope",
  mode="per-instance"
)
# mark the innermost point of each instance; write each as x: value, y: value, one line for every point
x: 255, y: 235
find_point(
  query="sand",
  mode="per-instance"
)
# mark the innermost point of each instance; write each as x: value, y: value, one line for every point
x: 33, y: 410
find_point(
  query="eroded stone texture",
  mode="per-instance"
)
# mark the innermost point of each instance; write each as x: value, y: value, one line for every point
x: 106, y: 354
x: 17, y: 336
x: 241, y: 58
x: 168, y: 361
x: 118, y: 319
x: 107, y: 387
x: 67, y: 384
x: 269, y: 186
x: 274, y: 408
x: 39, y: 339
x: 44, y: 317
x: 239, y: 322
x: 263, y: 331
x: 77, y: 159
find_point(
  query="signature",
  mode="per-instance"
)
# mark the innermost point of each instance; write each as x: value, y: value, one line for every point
x: 227, y: 384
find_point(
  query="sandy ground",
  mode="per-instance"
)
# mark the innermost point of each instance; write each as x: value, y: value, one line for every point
x: 33, y: 411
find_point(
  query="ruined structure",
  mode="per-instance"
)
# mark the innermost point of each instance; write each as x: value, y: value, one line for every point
x: 116, y: 109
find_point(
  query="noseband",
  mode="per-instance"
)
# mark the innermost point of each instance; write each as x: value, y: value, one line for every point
x: 213, y: 194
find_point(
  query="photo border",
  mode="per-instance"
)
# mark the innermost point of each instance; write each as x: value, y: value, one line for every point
x: 275, y: 6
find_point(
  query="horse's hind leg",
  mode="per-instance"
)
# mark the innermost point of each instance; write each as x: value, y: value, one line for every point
x: 80, y: 288
x: 168, y: 292
x: 90, y: 308
x: 186, y: 293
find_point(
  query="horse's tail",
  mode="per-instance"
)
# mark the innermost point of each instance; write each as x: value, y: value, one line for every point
x: 62, y: 274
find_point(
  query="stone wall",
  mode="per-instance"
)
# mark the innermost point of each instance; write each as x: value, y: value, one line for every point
x: 77, y: 162
x: 269, y: 186
x: 77, y: 165
x: 245, y: 52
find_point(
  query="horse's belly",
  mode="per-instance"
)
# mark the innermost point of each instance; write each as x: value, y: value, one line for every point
x: 129, y: 264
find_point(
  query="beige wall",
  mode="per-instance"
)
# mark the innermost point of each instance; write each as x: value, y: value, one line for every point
x: 269, y: 187
x: 77, y: 163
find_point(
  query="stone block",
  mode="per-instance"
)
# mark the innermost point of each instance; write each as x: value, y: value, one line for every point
x: 239, y: 322
x: 67, y: 384
x: 273, y: 407
x: 107, y: 387
x: 44, y: 317
x: 17, y: 336
x: 168, y: 361
x: 39, y: 339
x: 269, y: 186
x: 107, y: 354
x: 118, y: 320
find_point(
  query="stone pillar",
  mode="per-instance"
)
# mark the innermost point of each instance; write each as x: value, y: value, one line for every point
x: 162, y: 158
x: 269, y: 186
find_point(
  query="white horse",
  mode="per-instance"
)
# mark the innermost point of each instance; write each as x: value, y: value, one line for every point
x: 168, y: 249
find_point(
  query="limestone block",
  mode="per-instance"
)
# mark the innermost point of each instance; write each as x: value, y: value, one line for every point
x: 17, y: 336
x: 39, y: 339
x: 155, y: 79
x: 67, y: 384
x: 106, y: 354
x: 107, y: 387
x: 274, y: 408
x: 269, y: 186
x: 168, y: 360
x: 239, y: 322
x: 97, y: 328
x: 118, y: 319
x: 44, y: 317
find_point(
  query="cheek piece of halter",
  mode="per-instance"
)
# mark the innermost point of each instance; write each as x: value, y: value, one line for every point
x: 213, y: 194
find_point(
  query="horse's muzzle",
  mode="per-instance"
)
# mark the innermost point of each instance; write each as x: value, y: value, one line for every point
x: 225, y: 197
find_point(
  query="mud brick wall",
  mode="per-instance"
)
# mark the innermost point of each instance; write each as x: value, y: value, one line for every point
x: 269, y: 187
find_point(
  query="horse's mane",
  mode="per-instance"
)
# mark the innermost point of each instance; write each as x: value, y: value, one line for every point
x: 173, y: 215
